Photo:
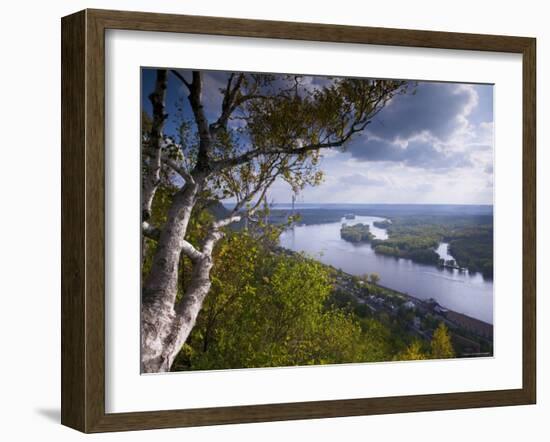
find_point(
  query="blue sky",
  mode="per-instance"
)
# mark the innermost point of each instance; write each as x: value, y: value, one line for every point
x: 433, y: 146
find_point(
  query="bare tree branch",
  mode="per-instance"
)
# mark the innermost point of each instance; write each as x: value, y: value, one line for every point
x: 191, y: 252
x: 181, y: 78
x: 225, y: 222
x: 188, y: 249
x: 205, y: 137
x: 229, y: 103
x: 251, y: 154
x: 283, y: 132
x: 215, y: 234
x: 172, y: 164
x: 233, y: 98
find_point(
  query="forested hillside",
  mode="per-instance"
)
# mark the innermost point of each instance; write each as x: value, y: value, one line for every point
x: 271, y: 308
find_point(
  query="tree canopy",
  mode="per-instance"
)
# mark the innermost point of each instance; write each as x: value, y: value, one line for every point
x: 267, y: 127
x: 441, y: 343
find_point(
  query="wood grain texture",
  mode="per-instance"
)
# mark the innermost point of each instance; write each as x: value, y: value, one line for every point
x: 529, y: 220
x: 73, y: 255
x: 143, y: 21
x: 83, y: 219
x: 95, y: 222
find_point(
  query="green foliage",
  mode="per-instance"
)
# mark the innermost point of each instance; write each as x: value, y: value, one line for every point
x: 284, y: 126
x: 440, y: 347
x: 384, y: 249
x: 429, y: 322
x: 441, y: 343
x: 473, y: 249
x: 416, y: 237
x: 203, y: 214
x: 159, y: 210
x: 414, y: 352
x: 382, y: 224
x: 356, y: 233
x: 266, y: 307
x: 410, y: 239
x: 267, y: 310
x: 377, y: 341
x: 417, y: 248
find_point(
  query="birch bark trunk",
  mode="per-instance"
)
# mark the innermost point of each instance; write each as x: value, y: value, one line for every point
x: 165, y: 324
x: 160, y: 289
x: 186, y: 313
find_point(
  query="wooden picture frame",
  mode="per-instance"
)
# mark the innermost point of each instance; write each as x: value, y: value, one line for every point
x: 83, y: 220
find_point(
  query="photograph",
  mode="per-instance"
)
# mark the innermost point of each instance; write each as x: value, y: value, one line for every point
x: 300, y: 220
x: 268, y: 221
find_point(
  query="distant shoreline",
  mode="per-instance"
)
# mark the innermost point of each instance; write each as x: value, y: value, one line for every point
x: 414, y: 298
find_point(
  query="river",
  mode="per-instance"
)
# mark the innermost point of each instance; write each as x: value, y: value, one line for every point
x: 463, y: 292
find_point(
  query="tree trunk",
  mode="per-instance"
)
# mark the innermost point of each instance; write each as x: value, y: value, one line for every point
x: 151, y: 177
x: 160, y: 289
x: 186, y: 313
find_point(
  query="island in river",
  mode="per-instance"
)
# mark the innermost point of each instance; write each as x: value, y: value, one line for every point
x: 448, y: 230
x: 434, y: 263
x: 356, y: 233
x: 425, y: 245
x: 409, y: 299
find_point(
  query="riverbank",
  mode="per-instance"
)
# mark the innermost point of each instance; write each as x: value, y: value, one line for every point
x: 466, y: 292
x: 417, y: 317
x: 411, y: 232
x: 470, y: 336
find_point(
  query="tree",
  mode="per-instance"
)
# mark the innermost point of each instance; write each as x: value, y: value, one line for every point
x: 441, y: 343
x: 268, y: 310
x: 374, y: 278
x: 267, y: 127
x: 413, y: 352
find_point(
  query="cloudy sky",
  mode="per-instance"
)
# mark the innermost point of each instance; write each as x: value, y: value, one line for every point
x: 434, y: 146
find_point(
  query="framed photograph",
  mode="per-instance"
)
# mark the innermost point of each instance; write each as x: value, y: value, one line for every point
x: 267, y: 221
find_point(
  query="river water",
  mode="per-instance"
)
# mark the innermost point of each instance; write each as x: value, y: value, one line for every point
x: 464, y: 292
